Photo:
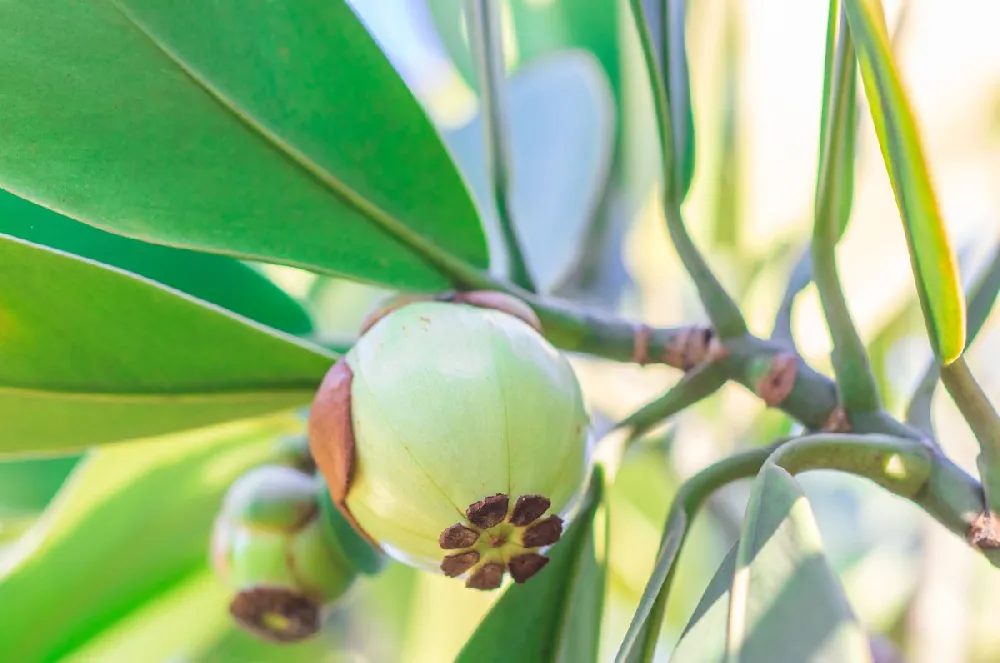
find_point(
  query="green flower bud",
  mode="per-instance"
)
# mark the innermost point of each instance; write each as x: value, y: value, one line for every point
x: 455, y: 438
x: 269, y: 545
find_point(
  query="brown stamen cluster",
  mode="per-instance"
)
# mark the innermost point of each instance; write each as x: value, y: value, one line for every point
x: 497, y: 539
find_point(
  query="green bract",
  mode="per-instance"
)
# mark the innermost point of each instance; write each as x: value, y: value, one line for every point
x: 455, y: 438
x: 270, y: 546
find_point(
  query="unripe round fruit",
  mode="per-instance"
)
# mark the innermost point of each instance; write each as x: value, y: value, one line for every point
x: 269, y: 545
x: 455, y: 438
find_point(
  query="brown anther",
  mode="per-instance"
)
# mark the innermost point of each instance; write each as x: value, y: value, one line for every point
x: 331, y: 437
x: 278, y: 615
x: 487, y: 576
x: 837, y: 421
x: 640, y: 344
x: 775, y: 385
x: 523, y: 567
x: 457, y: 564
x: 528, y: 509
x: 488, y: 512
x: 543, y: 533
x: 983, y: 532
x: 457, y: 536
x: 498, y: 301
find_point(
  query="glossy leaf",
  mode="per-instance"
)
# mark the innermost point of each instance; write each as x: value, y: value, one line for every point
x: 229, y: 128
x: 91, y: 354
x: 561, y: 122
x: 223, y: 281
x: 931, y: 255
x: 982, y: 296
x: 556, y: 616
x: 785, y: 601
x: 132, y: 519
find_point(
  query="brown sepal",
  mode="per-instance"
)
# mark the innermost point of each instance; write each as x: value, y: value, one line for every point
x: 498, y: 301
x: 331, y: 437
x: 251, y: 607
x: 457, y: 536
x: 488, y: 512
x: 523, y: 567
x: 455, y: 565
x: 487, y: 576
x: 543, y: 533
x: 528, y: 509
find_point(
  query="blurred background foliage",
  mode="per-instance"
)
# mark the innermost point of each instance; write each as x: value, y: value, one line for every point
x: 756, y: 85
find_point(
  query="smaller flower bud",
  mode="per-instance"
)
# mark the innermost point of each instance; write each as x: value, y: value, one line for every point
x: 270, y: 546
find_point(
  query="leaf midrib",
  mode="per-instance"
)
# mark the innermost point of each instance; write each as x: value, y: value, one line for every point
x: 438, y: 259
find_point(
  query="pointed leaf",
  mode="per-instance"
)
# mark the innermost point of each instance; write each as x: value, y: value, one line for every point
x: 786, y: 602
x: 561, y: 121
x: 131, y: 519
x: 931, y: 255
x: 271, y: 131
x: 91, y: 354
x: 555, y: 616
x: 704, y: 637
x: 223, y: 281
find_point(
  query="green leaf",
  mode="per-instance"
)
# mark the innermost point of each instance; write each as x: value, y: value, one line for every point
x: 981, y: 296
x: 931, y: 255
x: 229, y: 128
x: 91, y: 354
x: 561, y: 121
x: 365, y: 558
x: 834, y: 194
x: 28, y: 484
x: 217, y: 279
x: 704, y: 637
x: 555, y: 617
x: 132, y: 520
x: 674, y: 68
x: 785, y: 601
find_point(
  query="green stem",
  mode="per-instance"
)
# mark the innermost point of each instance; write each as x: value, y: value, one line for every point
x: 833, y: 199
x: 982, y: 418
x: 485, y: 36
x: 720, y: 307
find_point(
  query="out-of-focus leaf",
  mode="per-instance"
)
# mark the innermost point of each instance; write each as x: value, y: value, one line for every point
x: 230, y: 128
x: 556, y: 616
x: 27, y: 484
x: 931, y: 255
x: 674, y: 67
x: 982, y: 296
x: 834, y: 194
x: 365, y: 558
x: 132, y: 520
x: 220, y: 280
x: 785, y: 602
x: 91, y: 354
x: 561, y: 121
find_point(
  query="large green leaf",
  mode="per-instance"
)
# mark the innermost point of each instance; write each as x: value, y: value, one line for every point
x: 272, y: 131
x: 561, y: 127
x: 556, y: 616
x: 224, y: 281
x: 91, y: 354
x: 27, y: 484
x: 785, y: 602
x: 931, y: 255
x: 132, y: 520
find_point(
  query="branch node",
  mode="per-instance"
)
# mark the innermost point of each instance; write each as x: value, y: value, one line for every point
x: 689, y: 348
x: 982, y: 535
x: 774, y: 386
x: 837, y: 421
x: 640, y: 344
